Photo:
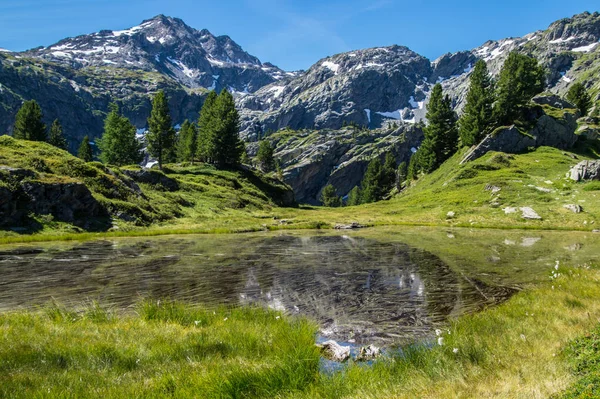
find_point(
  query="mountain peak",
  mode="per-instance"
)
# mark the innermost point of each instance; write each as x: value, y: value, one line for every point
x: 166, y: 45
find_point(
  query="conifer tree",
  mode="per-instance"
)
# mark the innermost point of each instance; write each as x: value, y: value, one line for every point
x: 354, y: 196
x: 28, y: 123
x: 401, y: 175
x: 412, y: 172
x: 579, y: 96
x: 85, y: 150
x: 228, y: 146
x: 161, y: 135
x: 371, y: 189
x: 245, y: 159
x: 56, y: 137
x: 441, y: 134
x: 477, y: 115
x: 118, y: 144
x: 264, y: 156
x: 206, y: 128
x: 388, y: 173
x: 187, y: 143
x: 329, y: 197
x: 521, y: 78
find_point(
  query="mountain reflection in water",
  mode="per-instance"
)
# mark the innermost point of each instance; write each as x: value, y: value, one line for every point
x: 355, y: 288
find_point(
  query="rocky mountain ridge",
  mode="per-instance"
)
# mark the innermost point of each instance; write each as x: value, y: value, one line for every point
x: 374, y: 86
x: 76, y: 78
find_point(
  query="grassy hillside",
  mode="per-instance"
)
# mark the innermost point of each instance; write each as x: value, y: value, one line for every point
x: 198, y: 194
x: 200, y: 198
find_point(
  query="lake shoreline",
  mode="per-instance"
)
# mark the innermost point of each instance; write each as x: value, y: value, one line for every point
x: 157, y: 232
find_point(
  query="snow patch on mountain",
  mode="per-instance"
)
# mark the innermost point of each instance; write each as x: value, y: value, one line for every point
x: 184, y: 68
x: 585, y: 49
x: 333, y: 67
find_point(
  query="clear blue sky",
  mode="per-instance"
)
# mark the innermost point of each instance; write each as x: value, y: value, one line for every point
x: 295, y: 34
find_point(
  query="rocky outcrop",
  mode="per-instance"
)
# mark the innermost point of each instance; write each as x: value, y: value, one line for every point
x: 585, y: 170
x: 313, y: 159
x: 155, y: 178
x: 66, y: 202
x: 548, y: 131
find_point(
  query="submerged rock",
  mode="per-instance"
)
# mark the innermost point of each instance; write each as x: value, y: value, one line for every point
x: 333, y: 351
x: 367, y: 353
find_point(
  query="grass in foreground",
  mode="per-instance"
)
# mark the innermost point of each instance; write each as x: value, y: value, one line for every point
x: 584, y: 355
x: 167, y: 350
x: 514, y: 350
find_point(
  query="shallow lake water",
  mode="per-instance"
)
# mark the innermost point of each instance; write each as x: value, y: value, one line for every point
x: 380, y: 286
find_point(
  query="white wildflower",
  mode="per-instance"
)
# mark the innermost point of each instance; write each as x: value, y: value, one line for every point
x: 438, y: 332
x: 225, y: 319
x: 455, y: 350
x: 440, y: 341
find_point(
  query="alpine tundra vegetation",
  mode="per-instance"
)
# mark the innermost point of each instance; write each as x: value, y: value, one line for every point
x: 411, y: 228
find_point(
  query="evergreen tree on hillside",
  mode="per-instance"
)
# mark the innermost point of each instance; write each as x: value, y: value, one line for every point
x: 118, y: 144
x: 207, y: 128
x: 329, y: 197
x: 477, y: 115
x: 354, y: 197
x: 56, y: 137
x: 521, y: 78
x: 187, y: 143
x: 388, y: 173
x: 401, y: 175
x: 228, y: 146
x: 579, y: 96
x: 371, y: 189
x: 85, y: 150
x: 441, y: 134
x: 161, y: 135
x: 412, y: 172
x: 28, y: 122
x: 264, y: 156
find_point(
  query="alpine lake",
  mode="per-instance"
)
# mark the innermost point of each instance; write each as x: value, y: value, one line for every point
x: 383, y: 286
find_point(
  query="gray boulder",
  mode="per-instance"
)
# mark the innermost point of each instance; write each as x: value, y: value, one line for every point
x: 573, y: 208
x: 585, y: 170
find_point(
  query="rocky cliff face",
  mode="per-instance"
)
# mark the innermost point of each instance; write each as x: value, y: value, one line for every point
x: 374, y: 86
x: 313, y: 159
